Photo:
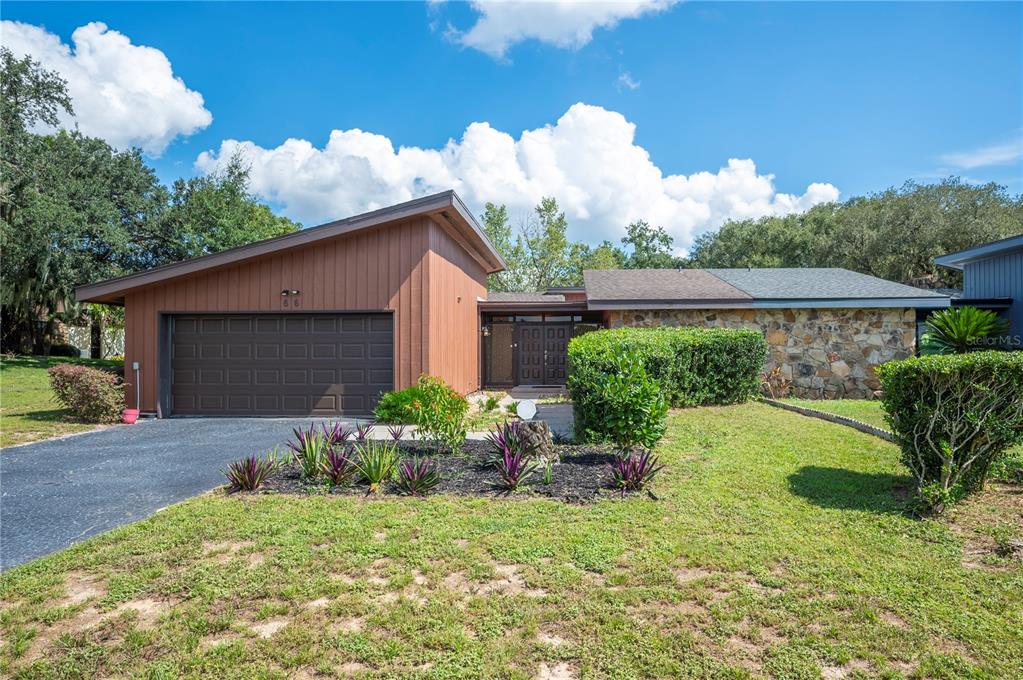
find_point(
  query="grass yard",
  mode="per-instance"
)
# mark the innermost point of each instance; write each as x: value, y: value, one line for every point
x: 776, y: 547
x: 867, y: 411
x: 28, y: 411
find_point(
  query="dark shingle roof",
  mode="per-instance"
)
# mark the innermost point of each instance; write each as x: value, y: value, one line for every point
x: 524, y: 297
x: 816, y: 284
x: 648, y: 285
x: 737, y: 288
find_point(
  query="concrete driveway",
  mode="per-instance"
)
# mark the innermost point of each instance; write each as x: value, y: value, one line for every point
x: 58, y: 492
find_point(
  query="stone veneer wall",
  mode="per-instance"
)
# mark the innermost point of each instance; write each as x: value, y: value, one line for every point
x: 826, y: 353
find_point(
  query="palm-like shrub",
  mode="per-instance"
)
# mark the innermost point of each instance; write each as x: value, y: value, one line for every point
x: 376, y: 461
x: 310, y: 448
x: 513, y: 468
x: 958, y: 330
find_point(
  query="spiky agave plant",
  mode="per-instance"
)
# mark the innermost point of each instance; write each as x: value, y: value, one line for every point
x: 338, y: 466
x: 376, y: 461
x: 310, y: 448
x: 248, y: 474
x: 417, y: 476
x: 958, y: 330
x: 632, y: 471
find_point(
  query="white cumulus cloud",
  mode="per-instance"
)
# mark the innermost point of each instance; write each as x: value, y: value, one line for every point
x: 588, y: 160
x: 563, y: 23
x: 126, y: 94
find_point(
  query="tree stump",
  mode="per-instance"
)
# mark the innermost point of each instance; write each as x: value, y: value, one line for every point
x: 537, y: 443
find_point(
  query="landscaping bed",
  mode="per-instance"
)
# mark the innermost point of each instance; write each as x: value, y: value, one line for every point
x: 581, y: 476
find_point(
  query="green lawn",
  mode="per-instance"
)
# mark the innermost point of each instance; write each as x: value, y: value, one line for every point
x: 776, y: 547
x: 867, y: 411
x: 27, y: 409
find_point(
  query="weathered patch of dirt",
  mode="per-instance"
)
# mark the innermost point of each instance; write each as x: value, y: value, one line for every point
x: 267, y: 629
x: 508, y: 582
x: 845, y: 670
x: 351, y: 625
x: 80, y: 587
x: 561, y: 671
x: 689, y: 574
x: 550, y: 639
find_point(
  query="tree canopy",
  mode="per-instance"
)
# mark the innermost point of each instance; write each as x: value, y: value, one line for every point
x: 893, y: 234
x: 74, y: 210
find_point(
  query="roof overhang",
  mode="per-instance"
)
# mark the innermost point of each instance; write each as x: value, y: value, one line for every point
x: 530, y: 307
x: 803, y: 303
x: 855, y: 303
x: 960, y: 259
x: 445, y: 208
x: 986, y: 303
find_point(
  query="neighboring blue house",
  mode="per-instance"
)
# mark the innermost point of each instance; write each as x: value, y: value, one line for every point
x: 992, y: 279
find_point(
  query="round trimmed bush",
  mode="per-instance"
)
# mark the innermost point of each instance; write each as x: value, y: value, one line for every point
x: 953, y: 416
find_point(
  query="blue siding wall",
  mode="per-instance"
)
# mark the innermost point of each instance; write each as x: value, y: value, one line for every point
x: 1000, y: 276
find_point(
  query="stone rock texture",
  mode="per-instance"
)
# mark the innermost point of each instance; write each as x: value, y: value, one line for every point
x: 537, y: 441
x: 826, y: 353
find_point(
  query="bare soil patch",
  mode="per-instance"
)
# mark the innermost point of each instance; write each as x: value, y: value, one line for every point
x: 561, y: 671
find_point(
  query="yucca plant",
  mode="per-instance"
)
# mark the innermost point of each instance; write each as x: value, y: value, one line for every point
x: 417, y: 476
x: 514, y: 468
x: 633, y: 471
x: 958, y: 330
x: 338, y: 466
x: 248, y: 474
x: 375, y: 462
x: 336, y: 433
x: 310, y: 448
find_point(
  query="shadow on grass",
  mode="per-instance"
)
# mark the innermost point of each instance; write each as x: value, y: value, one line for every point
x: 843, y: 489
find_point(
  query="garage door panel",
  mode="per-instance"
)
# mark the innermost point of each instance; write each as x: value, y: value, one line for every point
x: 313, y: 364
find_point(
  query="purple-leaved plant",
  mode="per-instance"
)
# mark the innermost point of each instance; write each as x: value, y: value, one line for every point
x: 362, y: 431
x: 514, y: 467
x: 336, y: 433
x: 338, y: 466
x: 634, y: 471
x: 396, y: 432
x: 417, y: 476
x: 248, y: 474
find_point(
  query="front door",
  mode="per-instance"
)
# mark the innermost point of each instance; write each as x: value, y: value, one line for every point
x: 531, y: 349
x: 543, y: 353
x: 556, y: 337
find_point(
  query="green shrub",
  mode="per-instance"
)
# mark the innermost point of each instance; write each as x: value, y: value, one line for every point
x: 953, y: 416
x: 90, y: 394
x: 437, y: 411
x: 376, y: 461
x: 693, y: 366
x: 617, y: 401
x: 958, y: 330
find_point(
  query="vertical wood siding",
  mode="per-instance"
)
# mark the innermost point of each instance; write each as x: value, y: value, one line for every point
x: 392, y: 267
x: 456, y: 281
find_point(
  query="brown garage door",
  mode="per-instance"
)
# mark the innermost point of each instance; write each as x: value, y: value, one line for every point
x: 280, y: 364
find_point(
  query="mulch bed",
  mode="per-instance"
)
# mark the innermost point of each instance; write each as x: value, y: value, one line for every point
x: 582, y: 476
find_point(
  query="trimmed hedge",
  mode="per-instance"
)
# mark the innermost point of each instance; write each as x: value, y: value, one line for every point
x: 953, y: 416
x: 694, y: 366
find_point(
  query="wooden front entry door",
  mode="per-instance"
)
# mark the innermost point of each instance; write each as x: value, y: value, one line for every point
x: 543, y: 353
x: 556, y: 337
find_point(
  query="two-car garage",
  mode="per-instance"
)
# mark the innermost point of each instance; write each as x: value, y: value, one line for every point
x: 318, y: 322
x: 279, y: 364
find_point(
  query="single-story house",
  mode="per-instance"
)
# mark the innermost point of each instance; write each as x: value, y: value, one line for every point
x: 992, y: 279
x: 322, y: 321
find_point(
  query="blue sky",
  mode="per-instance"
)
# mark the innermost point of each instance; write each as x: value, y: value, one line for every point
x: 856, y: 97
